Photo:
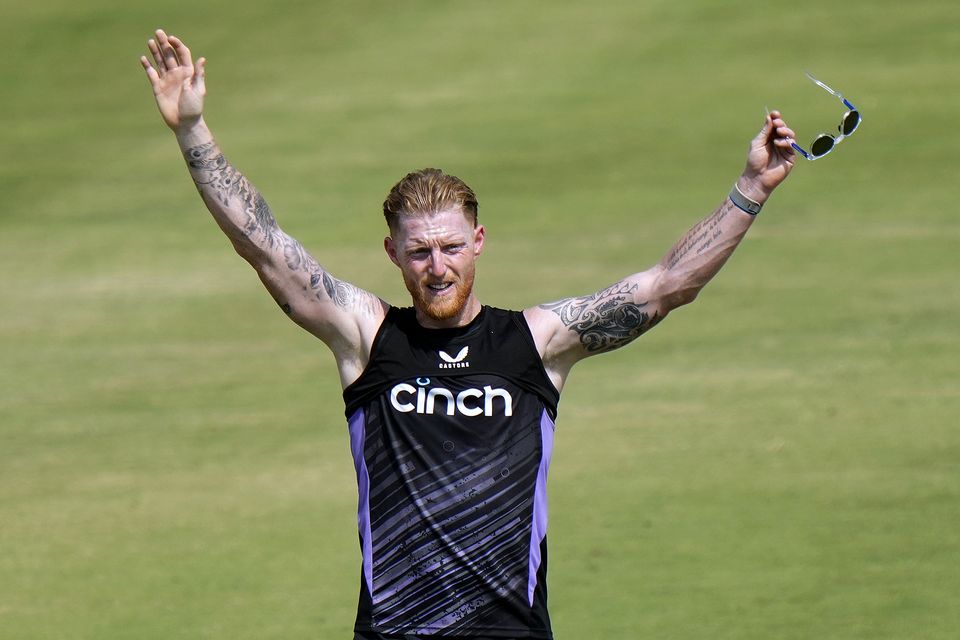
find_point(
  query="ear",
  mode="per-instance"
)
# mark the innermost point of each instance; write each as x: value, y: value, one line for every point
x: 479, y: 236
x: 391, y: 248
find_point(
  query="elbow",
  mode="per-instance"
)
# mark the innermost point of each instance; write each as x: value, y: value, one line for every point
x: 680, y: 297
x: 249, y: 251
x: 675, y: 292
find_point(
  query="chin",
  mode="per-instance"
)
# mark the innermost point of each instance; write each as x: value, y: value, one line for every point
x: 441, y: 310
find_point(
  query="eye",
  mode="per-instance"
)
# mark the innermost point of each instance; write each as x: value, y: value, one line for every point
x: 418, y: 254
x: 453, y: 248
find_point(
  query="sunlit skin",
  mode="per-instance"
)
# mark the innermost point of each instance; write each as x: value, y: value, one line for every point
x: 437, y: 256
x: 437, y: 253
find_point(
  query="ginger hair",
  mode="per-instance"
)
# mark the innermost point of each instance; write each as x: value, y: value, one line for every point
x: 426, y: 192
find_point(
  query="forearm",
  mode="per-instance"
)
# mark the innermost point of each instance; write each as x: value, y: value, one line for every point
x: 697, y: 257
x: 292, y: 276
x: 236, y: 205
x: 703, y: 251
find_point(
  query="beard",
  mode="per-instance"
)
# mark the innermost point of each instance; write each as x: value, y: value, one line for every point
x: 446, y: 307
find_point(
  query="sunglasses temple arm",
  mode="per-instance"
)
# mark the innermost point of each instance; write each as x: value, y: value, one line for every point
x: 799, y: 150
x: 831, y: 91
x: 820, y: 84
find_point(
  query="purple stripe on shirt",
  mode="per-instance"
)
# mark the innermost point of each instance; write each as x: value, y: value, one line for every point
x: 539, y: 529
x: 356, y: 424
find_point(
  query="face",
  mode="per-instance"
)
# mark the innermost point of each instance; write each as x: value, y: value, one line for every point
x: 437, y: 256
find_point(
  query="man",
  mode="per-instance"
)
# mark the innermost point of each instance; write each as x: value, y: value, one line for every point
x: 450, y: 404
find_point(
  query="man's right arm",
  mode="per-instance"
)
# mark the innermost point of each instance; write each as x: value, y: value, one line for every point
x: 345, y: 317
x: 312, y: 297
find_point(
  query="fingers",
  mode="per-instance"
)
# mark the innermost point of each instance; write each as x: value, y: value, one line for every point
x: 166, y: 50
x: 181, y: 50
x: 168, y: 53
x: 152, y: 74
x: 783, y: 135
x: 775, y: 130
x: 161, y: 68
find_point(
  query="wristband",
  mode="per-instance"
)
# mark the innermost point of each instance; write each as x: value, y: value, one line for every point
x: 743, y: 202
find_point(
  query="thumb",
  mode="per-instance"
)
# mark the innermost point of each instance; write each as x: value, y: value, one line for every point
x: 764, y: 135
x: 198, y: 81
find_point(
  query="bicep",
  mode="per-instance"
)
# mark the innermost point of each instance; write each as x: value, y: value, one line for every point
x: 575, y: 328
x: 342, y: 315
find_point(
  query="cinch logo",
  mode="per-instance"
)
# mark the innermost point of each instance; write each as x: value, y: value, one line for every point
x: 407, y: 398
x: 454, y: 362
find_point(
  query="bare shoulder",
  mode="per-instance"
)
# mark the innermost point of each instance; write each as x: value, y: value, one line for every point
x: 353, y: 321
x: 344, y: 316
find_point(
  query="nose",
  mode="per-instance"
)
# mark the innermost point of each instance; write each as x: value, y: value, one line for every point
x: 437, y: 265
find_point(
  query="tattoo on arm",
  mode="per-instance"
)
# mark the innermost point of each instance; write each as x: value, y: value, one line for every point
x: 218, y: 180
x: 700, y: 238
x: 605, y: 320
x: 347, y: 296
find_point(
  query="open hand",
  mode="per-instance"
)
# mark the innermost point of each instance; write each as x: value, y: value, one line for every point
x: 178, y: 85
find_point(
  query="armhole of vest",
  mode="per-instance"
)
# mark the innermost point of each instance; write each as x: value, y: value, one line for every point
x: 389, y: 320
x: 521, y: 321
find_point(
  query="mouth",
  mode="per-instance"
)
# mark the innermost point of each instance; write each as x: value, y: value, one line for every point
x: 440, y: 287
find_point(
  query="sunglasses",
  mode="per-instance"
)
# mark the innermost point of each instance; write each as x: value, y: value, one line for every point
x: 824, y: 143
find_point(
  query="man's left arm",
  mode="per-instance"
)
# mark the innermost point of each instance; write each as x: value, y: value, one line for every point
x: 569, y: 330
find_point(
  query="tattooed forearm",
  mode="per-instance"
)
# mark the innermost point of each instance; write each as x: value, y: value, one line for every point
x: 699, y: 238
x: 218, y: 181
x: 246, y: 218
x: 605, y: 320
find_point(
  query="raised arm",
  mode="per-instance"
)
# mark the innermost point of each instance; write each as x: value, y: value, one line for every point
x: 345, y: 317
x: 569, y: 330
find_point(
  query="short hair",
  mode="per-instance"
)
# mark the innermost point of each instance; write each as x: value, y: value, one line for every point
x: 426, y: 192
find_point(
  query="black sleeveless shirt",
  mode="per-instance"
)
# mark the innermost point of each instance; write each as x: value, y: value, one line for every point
x: 451, y: 432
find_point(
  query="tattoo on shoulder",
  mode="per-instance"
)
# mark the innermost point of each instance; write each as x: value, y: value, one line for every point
x: 605, y: 320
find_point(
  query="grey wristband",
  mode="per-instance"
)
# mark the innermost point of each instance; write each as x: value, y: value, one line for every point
x: 743, y: 202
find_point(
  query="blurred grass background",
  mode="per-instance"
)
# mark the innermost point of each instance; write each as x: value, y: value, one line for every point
x: 779, y: 460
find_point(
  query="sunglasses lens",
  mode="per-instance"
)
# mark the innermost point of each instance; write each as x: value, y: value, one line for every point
x: 850, y: 122
x: 821, y: 146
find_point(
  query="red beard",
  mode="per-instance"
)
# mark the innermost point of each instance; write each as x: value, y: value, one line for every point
x: 445, y: 307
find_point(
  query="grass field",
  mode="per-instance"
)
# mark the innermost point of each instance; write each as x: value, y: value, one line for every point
x: 779, y: 460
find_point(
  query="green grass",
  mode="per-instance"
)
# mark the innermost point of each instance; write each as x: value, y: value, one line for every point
x: 779, y: 460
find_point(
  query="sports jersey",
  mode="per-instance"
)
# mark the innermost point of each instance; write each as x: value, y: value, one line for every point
x: 451, y: 432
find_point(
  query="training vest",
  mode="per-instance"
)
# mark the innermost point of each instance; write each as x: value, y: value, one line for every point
x: 451, y: 432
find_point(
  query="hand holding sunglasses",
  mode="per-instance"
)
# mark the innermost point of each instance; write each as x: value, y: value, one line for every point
x: 824, y: 143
